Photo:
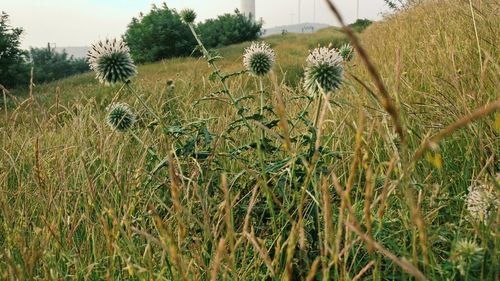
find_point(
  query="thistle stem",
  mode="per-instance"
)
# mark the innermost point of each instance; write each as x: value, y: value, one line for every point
x: 141, y: 100
x: 157, y: 117
x: 318, y: 111
x: 263, y: 135
x: 217, y: 71
x: 117, y: 95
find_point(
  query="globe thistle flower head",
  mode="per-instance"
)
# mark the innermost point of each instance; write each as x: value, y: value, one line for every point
x: 324, y: 70
x: 481, y: 202
x: 188, y: 16
x: 347, y: 52
x: 111, y: 61
x: 259, y: 58
x: 466, y: 254
x: 120, y: 117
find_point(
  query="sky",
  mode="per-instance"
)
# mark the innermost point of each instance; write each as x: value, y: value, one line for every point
x: 80, y: 22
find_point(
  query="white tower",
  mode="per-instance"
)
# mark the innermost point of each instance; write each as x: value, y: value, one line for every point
x: 248, y: 8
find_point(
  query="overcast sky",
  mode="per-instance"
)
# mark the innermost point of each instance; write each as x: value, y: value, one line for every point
x: 80, y: 22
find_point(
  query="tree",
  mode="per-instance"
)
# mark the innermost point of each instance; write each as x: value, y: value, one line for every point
x: 229, y: 29
x: 13, y: 69
x: 49, y: 65
x: 360, y: 24
x: 159, y: 34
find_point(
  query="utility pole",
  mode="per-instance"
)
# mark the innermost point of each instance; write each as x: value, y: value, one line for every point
x: 49, y: 46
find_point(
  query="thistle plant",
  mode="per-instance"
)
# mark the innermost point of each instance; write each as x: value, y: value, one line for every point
x: 482, y: 203
x: 188, y: 16
x: 324, y: 71
x: 120, y: 117
x: 324, y: 74
x: 466, y: 255
x: 259, y: 58
x: 347, y: 52
x: 111, y: 61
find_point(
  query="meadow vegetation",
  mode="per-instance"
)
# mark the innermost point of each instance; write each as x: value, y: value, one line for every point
x: 382, y: 179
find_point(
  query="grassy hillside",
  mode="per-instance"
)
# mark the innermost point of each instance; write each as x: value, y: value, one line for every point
x: 193, y: 196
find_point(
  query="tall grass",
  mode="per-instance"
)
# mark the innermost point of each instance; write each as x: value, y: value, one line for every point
x: 197, y: 198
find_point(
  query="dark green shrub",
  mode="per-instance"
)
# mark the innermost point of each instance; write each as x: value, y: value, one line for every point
x: 360, y: 25
x: 229, y: 29
x: 49, y: 65
x: 158, y: 35
x: 162, y: 34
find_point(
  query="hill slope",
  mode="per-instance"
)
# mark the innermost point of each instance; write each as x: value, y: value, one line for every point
x: 196, y: 195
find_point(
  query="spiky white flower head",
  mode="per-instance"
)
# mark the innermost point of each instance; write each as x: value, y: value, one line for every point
x: 466, y: 254
x: 111, y: 61
x: 188, y: 16
x: 324, y: 70
x: 482, y: 202
x: 259, y: 58
x: 347, y: 52
x: 120, y: 117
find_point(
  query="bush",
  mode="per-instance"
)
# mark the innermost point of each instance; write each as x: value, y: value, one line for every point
x: 158, y: 35
x: 360, y: 25
x: 13, y: 70
x: 49, y: 65
x: 229, y: 29
x: 161, y: 34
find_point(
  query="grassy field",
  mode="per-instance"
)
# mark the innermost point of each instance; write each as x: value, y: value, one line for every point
x: 197, y: 195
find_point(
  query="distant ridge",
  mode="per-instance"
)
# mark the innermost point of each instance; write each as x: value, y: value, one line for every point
x: 295, y: 28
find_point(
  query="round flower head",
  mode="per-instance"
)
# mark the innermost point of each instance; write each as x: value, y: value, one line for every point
x: 466, y: 254
x: 188, y: 16
x: 259, y: 58
x: 347, y: 52
x: 120, y: 117
x: 481, y: 203
x: 324, y: 70
x: 111, y: 61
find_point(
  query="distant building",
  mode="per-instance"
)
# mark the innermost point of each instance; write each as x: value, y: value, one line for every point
x: 248, y: 8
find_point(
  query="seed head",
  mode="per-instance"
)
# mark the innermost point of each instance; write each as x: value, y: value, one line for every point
x: 466, y: 255
x: 120, y: 117
x: 188, y: 16
x: 259, y: 58
x: 324, y: 70
x: 347, y: 52
x: 482, y: 202
x: 111, y: 61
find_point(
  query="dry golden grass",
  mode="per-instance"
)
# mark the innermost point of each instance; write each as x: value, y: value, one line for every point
x: 79, y: 201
